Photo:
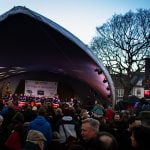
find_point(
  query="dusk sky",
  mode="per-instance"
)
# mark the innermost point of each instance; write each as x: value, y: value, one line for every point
x: 80, y: 17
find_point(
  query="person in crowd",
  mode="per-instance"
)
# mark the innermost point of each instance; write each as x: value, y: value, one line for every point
x: 133, y: 121
x: 57, y: 116
x: 35, y: 140
x: 1, y: 104
x: 98, y: 109
x: 119, y: 130
x: 115, y: 124
x: 29, y: 114
x: 16, y: 132
x: 140, y: 138
x: 7, y: 112
x: 89, y: 131
x: 42, y: 125
x: 2, y: 134
x: 55, y: 144
x: 84, y: 114
x: 145, y: 118
x: 67, y: 126
x: 109, y: 114
x: 106, y: 141
x: 124, y: 139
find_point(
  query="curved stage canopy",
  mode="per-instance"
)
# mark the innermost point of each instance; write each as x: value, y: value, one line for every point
x: 31, y: 42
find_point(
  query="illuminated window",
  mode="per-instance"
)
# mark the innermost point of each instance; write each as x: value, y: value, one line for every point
x: 120, y: 92
x: 138, y: 92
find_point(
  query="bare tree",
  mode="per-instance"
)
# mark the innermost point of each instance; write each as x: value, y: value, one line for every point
x: 123, y: 43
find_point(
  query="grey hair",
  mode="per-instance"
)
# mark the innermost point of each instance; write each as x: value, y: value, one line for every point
x: 93, y: 123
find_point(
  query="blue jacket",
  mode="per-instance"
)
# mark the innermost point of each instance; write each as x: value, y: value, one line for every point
x: 42, y: 125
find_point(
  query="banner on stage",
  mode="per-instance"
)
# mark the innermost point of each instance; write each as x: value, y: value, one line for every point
x: 40, y: 88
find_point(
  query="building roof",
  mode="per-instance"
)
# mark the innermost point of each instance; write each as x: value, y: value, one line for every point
x: 137, y: 80
x: 32, y: 42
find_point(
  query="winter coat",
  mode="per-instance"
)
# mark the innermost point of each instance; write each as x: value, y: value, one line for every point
x: 42, y: 125
x: 98, y: 111
x: 70, y: 127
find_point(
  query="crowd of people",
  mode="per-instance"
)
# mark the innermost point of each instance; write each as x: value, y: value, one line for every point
x: 72, y: 126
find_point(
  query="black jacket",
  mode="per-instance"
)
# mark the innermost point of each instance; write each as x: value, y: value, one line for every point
x: 31, y: 146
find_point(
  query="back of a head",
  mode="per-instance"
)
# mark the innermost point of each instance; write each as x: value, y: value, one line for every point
x: 84, y: 114
x: 107, y: 141
x: 67, y: 111
x: 19, y: 117
x: 55, y: 135
x: 42, y: 111
x: 131, y: 119
x: 97, y: 101
x: 58, y: 111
